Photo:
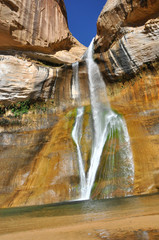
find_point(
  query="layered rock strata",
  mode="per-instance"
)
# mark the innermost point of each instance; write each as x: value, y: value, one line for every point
x: 38, y: 26
x: 125, y: 57
x: 127, y: 37
x: 118, y: 17
x: 127, y: 51
x: 21, y: 79
x: 37, y: 147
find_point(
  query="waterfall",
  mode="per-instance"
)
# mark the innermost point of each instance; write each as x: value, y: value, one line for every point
x: 105, y: 123
x: 77, y: 130
x: 75, y: 83
x: 76, y: 135
x: 100, y: 108
x: 54, y: 86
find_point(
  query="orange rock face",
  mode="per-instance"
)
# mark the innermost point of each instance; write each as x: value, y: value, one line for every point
x: 39, y: 26
x: 51, y: 175
x: 138, y: 101
x: 45, y: 168
x: 38, y: 160
x: 126, y: 50
x: 32, y: 23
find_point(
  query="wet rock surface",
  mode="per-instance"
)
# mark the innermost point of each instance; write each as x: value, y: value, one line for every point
x: 38, y: 159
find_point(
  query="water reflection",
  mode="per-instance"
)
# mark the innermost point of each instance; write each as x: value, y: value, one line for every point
x: 110, y: 207
x: 93, y: 219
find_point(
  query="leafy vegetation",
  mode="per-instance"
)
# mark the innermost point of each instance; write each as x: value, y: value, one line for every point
x: 23, y: 107
x: 20, y: 108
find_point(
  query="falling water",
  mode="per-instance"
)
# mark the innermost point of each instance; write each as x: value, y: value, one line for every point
x: 77, y: 130
x: 75, y: 83
x: 76, y: 135
x: 105, y: 123
x: 54, y: 87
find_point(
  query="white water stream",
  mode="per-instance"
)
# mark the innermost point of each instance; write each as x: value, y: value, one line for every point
x: 105, y: 123
x: 75, y: 83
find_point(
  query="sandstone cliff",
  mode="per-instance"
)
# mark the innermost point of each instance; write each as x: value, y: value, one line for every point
x: 119, y: 17
x: 39, y: 27
x: 127, y: 51
x: 127, y: 37
x: 39, y: 162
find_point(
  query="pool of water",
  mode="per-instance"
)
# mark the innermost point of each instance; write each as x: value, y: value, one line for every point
x: 78, y: 213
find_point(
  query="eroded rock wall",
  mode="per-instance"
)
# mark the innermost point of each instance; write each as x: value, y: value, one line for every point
x: 117, y: 16
x: 39, y: 26
x: 33, y: 23
x: 21, y: 79
x: 29, y: 106
x: 37, y: 160
x: 138, y: 101
x: 127, y: 51
x: 40, y: 154
x: 125, y: 57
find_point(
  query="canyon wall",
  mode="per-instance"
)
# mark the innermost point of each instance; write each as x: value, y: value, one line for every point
x: 39, y: 26
x: 38, y: 159
x: 127, y: 51
x: 32, y: 23
x: 34, y: 42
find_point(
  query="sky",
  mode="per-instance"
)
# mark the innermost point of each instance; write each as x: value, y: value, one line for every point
x: 82, y: 18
